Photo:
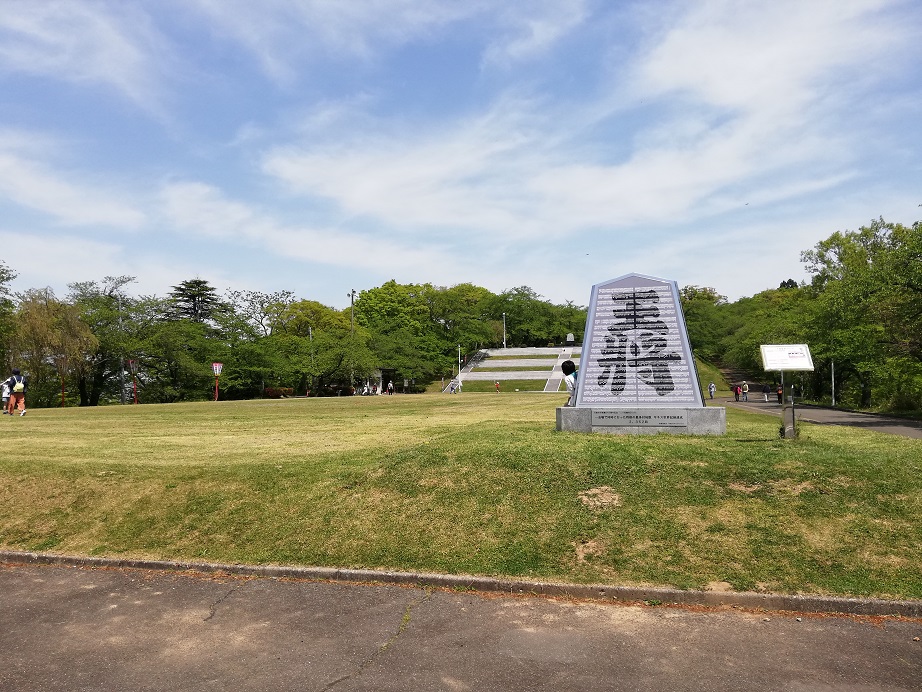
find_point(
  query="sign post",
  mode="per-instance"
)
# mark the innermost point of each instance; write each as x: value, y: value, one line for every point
x: 217, y: 367
x: 783, y: 357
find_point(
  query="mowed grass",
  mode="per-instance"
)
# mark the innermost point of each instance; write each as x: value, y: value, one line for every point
x: 471, y: 483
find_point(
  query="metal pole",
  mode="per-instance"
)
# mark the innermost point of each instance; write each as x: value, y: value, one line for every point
x: 459, y: 361
x: 121, y: 356
x: 833, y: 383
x: 793, y: 412
x: 351, y: 295
x: 504, y: 330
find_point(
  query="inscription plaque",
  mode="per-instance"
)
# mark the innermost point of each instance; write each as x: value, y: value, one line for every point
x: 636, y: 351
x: 658, y: 418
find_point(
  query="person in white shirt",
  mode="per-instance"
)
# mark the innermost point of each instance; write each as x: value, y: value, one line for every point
x: 569, y: 379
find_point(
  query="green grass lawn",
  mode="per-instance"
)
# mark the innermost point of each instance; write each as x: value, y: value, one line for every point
x: 472, y: 483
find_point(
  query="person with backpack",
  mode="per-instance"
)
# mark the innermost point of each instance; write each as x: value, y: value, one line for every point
x: 5, y: 392
x: 17, y: 385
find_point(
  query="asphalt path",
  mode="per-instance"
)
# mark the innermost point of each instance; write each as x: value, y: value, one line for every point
x: 79, y: 628
x: 828, y: 416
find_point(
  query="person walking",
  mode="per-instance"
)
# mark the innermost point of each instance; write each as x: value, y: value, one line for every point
x: 766, y: 390
x: 712, y: 389
x: 17, y: 386
x: 496, y: 384
x: 745, y: 391
x: 5, y: 391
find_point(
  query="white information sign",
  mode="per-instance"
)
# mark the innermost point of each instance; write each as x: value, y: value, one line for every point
x: 786, y: 357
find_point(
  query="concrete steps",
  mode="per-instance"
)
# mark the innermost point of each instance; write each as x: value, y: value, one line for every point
x: 539, y: 357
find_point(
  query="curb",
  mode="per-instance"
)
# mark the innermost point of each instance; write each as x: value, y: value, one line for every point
x: 590, y: 592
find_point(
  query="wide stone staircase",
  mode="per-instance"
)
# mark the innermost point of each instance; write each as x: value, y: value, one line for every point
x: 492, y: 365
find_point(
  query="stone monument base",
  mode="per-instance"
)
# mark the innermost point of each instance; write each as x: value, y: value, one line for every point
x: 643, y: 421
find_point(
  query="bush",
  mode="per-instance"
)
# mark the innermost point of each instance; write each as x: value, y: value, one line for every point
x: 278, y: 392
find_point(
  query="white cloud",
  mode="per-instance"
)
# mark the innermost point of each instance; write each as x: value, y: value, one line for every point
x: 201, y: 209
x: 767, y: 56
x: 756, y: 80
x: 36, y: 186
x: 108, y: 44
x: 534, y: 30
x: 281, y: 34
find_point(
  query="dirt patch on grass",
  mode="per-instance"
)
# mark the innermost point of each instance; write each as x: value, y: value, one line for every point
x: 743, y: 488
x: 588, y: 549
x: 719, y: 586
x: 792, y: 488
x: 600, y: 498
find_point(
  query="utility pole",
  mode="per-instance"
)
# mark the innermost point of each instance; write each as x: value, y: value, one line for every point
x: 351, y: 295
x: 121, y: 355
x: 504, y: 330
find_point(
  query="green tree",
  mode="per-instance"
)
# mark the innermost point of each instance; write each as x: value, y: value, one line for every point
x: 50, y: 339
x: 705, y: 320
x: 263, y: 311
x: 7, y: 311
x: 868, y: 288
x: 324, y: 353
x: 106, y: 309
x: 195, y: 300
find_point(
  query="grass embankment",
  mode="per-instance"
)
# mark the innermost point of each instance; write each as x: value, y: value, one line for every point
x: 472, y: 483
x: 708, y: 373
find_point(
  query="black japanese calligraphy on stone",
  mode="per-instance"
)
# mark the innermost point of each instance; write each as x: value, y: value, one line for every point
x: 637, y: 339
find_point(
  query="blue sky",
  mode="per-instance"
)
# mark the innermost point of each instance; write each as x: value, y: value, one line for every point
x: 319, y: 146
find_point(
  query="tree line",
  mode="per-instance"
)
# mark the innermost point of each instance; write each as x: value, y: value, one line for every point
x: 99, y: 343
x: 861, y: 315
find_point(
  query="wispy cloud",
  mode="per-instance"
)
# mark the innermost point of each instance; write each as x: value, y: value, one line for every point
x: 456, y: 141
x: 534, y: 32
x: 110, y: 45
x: 70, y: 200
x: 199, y: 209
x: 757, y: 81
x: 285, y: 36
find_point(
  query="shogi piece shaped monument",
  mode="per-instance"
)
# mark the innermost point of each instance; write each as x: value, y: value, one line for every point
x: 636, y: 373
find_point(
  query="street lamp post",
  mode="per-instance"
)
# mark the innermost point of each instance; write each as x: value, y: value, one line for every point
x: 351, y: 295
x: 504, y: 330
x: 217, y: 367
x: 459, y: 362
x: 121, y: 356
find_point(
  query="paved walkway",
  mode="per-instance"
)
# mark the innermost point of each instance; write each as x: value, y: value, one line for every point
x: 69, y: 628
x: 827, y: 416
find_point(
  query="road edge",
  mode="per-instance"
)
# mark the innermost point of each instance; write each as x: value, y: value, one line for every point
x: 801, y: 603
